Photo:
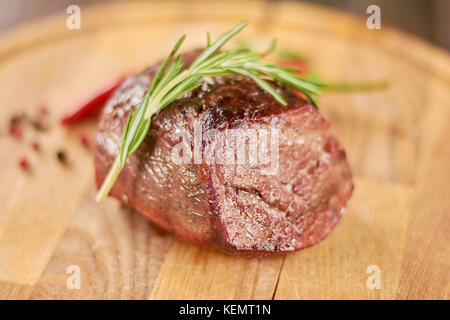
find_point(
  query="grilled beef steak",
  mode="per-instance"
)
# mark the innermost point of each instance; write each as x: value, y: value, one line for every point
x: 246, y: 208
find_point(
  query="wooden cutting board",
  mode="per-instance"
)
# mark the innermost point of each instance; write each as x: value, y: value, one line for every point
x: 397, y: 222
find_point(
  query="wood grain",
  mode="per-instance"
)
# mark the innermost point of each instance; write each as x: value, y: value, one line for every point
x: 118, y: 251
x: 14, y: 291
x: 426, y: 264
x: 369, y: 232
x: 191, y: 272
x: 396, y: 142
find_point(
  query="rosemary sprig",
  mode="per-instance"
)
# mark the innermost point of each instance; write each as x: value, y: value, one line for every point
x: 356, y: 86
x: 173, y: 80
x: 346, y: 86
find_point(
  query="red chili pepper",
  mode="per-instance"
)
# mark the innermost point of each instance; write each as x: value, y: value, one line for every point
x: 92, y: 106
x: 301, y: 65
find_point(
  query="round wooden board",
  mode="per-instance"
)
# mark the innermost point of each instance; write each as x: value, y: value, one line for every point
x: 396, y: 142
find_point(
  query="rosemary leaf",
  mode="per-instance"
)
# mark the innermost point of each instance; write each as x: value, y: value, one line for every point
x: 261, y: 83
x: 217, y: 45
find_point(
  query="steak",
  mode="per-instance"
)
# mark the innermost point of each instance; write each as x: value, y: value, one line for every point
x: 201, y: 175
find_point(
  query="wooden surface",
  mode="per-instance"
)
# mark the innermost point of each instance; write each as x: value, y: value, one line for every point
x: 396, y: 141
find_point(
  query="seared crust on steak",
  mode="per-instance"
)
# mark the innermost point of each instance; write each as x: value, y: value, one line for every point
x: 238, y: 208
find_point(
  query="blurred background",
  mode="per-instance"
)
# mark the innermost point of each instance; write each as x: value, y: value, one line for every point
x: 429, y: 19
